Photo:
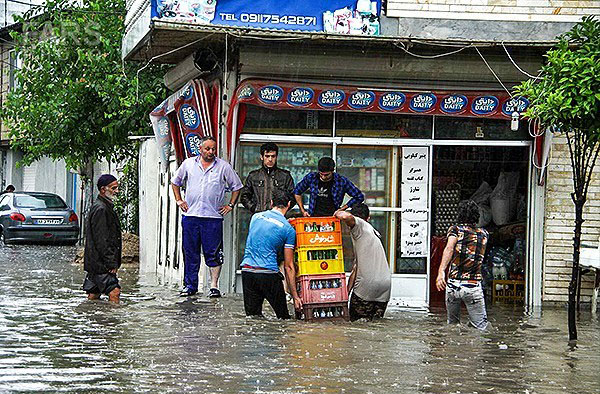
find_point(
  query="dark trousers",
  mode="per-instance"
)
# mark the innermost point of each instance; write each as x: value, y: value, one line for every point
x: 200, y: 235
x: 258, y: 287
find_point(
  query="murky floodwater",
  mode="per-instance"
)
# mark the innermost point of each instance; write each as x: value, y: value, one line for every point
x: 53, y: 339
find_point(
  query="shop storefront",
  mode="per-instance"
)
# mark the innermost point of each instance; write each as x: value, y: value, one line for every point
x: 414, y: 155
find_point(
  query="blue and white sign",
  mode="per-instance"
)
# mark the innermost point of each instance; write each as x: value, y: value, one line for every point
x: 515, y: 104
x: 453, y: 104
x: 271, y: 94
x: 332, y: 16
x: 163, y: 127
x: 246, y: 92
x: 423, y: 102
x: 331, y: 98
x: 189, y: 117
x: 300, y: 97
x: 485, y: 105
x: 193, y: 142
x: 188, y: 93
x: 392, y: 101
x: 361, y: 99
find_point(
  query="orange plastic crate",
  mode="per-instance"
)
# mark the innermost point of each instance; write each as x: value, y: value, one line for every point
x: 318, y: 239
x: 314, y: 289
x: 324, y: 224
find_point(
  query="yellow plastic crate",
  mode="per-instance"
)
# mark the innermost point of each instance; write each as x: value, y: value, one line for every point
x: 319, y: 261
x: 508, y: 290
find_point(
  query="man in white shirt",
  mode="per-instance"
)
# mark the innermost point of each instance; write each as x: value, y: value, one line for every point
x: 370, y: 281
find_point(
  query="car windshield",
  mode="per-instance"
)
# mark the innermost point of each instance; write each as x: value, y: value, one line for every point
x: 39, y: 201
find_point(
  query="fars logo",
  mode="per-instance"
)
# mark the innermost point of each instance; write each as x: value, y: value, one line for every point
x: 361, y: 99
x: 515, y: 104
x: 422, y: 102
x: 453, y: 104
x: 300, y: 97
x: 392, y: 101
x: 188, y: 93
x: 245, y: 93
x: 189, y: 116
x: 193, y: 142
x: 271, y: 94
x: 484, y: 105
x: 163, y: 127
x: 331, y: 98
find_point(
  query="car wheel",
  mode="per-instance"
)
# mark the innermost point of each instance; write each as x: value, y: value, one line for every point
x: 3, y: 239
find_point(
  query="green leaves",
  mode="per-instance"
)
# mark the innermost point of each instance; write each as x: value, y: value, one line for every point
x: 76, y: 100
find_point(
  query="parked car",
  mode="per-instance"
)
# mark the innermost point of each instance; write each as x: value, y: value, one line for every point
x: 37, y: 217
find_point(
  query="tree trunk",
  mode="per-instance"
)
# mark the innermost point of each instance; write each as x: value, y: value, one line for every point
x: 575, y: 272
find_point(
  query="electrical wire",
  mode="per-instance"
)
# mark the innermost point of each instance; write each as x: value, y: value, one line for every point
x: 492, y: 71
x: 535, y: 78
x: 399, y: 45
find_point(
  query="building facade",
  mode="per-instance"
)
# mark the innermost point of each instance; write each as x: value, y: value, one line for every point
x: 387, y: 90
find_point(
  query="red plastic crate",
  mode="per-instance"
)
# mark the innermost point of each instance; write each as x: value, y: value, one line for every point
x: 321, y: 289
x: 324, y: 312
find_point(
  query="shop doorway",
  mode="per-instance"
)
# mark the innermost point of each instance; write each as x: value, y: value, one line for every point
x: 497, y: 178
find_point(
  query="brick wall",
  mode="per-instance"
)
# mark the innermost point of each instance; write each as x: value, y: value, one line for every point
x: 560, y: 223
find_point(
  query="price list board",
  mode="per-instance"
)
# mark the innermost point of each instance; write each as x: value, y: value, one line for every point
x: 414, y: 202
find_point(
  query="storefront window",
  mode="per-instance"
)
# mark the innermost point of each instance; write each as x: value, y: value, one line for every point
x: 369, y: 169
x: 261, y: 120
x: 351, y: 124
x: 298, y: 159
x: 452, y: 128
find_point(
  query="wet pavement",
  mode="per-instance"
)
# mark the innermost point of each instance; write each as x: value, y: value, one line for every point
x: 53, y: 340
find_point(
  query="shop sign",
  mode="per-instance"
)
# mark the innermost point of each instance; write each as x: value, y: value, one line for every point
x: 392, y: 101
x: 300, y: 97
x: 353, y: 17
x: 163, y: 127
x: 423, y: 102
x: 188, y: 93
x: 484, y: 105
x: 271, y: 94
x: 515, y: 104
x: 189, y: 116
x: 331, y: 98
x: 247, y: 92
x: 453, y: 104
x: 193, y: 142
x: 361, y: 99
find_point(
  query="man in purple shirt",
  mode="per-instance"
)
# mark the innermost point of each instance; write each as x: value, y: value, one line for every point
x: 207, y: 178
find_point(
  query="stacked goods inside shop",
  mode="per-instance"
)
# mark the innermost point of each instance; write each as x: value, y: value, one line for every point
x: 496, y: 178
x: 320, y: 281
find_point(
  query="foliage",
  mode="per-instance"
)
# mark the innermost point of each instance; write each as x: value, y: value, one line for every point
x: 567, y: 97
x: 127, y: 201
x: 76, y: 99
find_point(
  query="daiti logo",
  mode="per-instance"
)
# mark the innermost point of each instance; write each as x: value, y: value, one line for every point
x: 271, y: 94
x: 189, y: 116
x: 422, y: 102
x: 392, y: 101
x: 515, y: 104
x: 188, y: 93
x: 246, y: 92
x: 163, y: 126
x: 300, y: 97
x: 331, y: 98
x: 453, y: 104
x: 361, y: 99
x: 484, y: 105
x: 193, y: 142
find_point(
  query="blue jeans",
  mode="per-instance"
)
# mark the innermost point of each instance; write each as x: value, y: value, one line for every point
x: 472, y: 296
x: 200, y: 235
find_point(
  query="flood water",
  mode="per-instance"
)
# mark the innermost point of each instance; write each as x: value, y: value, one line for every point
x: 53, y: 340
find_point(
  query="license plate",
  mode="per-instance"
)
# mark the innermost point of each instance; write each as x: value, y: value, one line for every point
x: 48, y: 221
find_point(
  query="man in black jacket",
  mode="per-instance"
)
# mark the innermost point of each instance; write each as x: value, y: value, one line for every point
x: 260, y: 183
x: 102, y: 256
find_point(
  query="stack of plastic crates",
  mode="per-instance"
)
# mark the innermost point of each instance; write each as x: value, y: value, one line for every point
x: 320, y: 281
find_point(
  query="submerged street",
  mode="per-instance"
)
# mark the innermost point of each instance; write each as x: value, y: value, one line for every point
x: 52, y: 339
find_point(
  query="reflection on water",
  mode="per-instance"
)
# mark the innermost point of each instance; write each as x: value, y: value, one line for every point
x: 52, y: 338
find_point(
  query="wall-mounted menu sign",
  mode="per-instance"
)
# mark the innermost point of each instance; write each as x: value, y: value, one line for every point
x: 415, y: 202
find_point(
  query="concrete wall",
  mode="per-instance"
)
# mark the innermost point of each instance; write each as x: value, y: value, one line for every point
x: 560, y: 224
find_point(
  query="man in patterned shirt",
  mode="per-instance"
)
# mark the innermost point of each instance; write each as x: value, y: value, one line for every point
x: 327, y: 190
x: 464, y: 252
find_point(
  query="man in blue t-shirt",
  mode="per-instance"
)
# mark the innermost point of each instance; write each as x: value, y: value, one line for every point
x: 269, y: 232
